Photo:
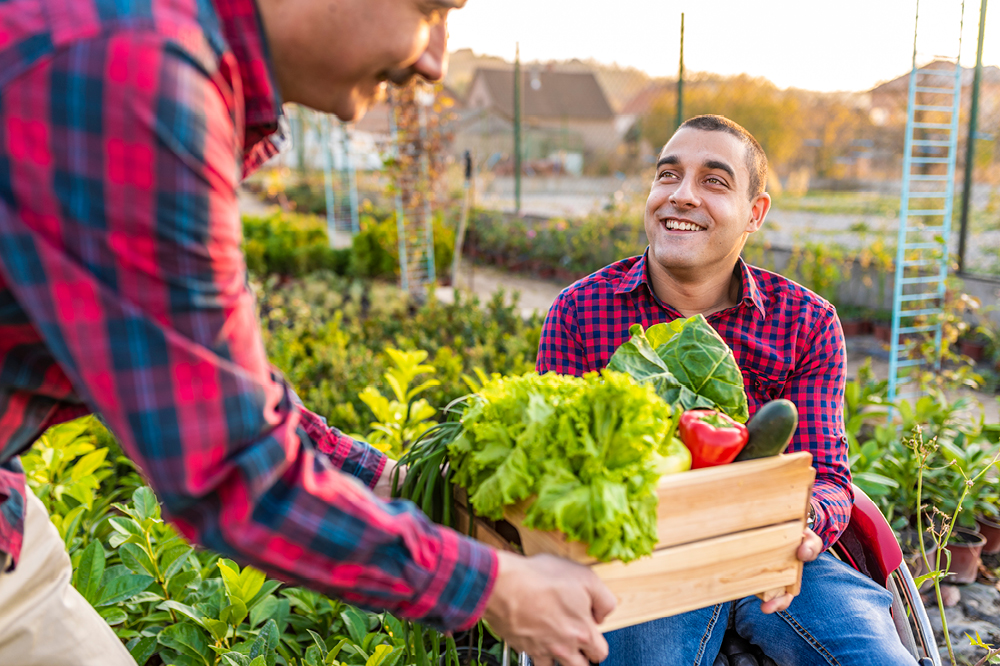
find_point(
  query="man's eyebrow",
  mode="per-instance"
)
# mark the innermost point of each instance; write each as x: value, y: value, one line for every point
x: 669, y: 159
x: 449, y: 4
x: 721, y: 166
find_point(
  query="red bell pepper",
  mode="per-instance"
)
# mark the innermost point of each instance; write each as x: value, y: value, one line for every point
x: 712, y: 437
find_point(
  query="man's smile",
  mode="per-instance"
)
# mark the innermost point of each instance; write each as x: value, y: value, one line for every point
x: 681, y: 224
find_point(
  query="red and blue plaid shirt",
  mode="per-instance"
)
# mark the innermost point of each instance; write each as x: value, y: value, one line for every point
x: 125, y: 128
x: 787, y: 341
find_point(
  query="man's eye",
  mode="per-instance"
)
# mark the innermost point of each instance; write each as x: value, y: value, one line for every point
x: 714, y: 180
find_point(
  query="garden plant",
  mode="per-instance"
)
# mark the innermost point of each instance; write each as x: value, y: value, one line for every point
x: 384, y: 368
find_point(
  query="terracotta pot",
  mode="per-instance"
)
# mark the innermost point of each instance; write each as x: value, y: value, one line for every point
x: 911, y: 554
x: 867, y: 328
x: 852, y: 327
x: 883, y: 331
x: 974, y: 350
x: 965, y: 548
x: 991, y: 532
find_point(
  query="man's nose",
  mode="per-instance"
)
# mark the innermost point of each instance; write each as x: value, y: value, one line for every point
x: 684, y: 194
x: 433, y: 62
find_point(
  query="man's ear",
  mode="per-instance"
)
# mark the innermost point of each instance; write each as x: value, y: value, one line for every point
x: 758, y: 211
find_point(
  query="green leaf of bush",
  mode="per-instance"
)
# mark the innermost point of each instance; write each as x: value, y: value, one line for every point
x: 136, y: 559
x: 113, y: 616
x: 145, y: 504
x: 379, y: 656
x: 179, y: 581
x: 89, y: 572
x: 234, y: 613
x: 266, y: 642
x: 235, y: 659
x: 357, y: 623
x: 173, y: 559
x: 217, y: 628
x: 187, y: 639
x: 118, y: 584
x: 142, y: 649
x: 183, y: 609
x: 320, y: 644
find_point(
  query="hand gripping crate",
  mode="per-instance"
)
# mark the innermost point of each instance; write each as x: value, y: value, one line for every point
x: 724, y: 533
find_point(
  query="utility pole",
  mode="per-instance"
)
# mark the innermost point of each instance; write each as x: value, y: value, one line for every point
x: 680, y: 79
x: 517, y: 130
x: 970, y: 148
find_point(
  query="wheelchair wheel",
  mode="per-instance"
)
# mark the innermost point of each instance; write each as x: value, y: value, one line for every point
x: 901, y: 618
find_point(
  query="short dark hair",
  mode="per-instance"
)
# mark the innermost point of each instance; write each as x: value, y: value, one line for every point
x: 756, y: 159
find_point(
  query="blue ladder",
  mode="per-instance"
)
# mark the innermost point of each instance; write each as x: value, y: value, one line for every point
x: 925, y: 214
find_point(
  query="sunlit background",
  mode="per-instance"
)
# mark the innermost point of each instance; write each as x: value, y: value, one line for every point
x: 851, y: 45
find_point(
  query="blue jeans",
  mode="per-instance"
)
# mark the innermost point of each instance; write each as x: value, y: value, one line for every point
x: 840, y: 618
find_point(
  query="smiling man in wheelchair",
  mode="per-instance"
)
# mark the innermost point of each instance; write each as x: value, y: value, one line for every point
x: 706, y: 198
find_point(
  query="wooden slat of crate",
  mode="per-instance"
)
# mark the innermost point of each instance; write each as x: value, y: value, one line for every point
x: 484, y: 532
x: 704, y: 503
x: 677, y: 579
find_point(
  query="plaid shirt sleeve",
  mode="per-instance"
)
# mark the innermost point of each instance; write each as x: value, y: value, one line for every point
x: 123, y: 247
x: 817, y: 389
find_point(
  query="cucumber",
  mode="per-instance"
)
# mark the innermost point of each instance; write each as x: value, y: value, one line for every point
x: 770, y: 430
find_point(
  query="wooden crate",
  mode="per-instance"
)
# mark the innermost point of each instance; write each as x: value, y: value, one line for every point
x: 724, y: 533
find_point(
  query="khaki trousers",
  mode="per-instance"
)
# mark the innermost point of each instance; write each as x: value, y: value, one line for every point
x: 43, y: 619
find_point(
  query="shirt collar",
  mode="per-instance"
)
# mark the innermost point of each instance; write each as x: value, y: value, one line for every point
x: 637, y: 275
x: 634, y: 277
x: 752, y: 295
x: 244, y: 33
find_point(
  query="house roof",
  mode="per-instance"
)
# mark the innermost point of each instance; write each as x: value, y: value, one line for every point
x: 547, y: 94
x: 642, y: 102
x: 991, y: 73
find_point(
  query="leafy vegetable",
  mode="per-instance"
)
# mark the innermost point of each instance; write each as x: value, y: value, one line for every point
x: 589, y: 451
x: 689, y: 365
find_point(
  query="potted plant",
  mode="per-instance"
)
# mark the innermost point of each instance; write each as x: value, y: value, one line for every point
x: 967, y: 457
x: 988, y: 518
x: 973, y: 343
x: 854, y: 320
x: 882, y: 325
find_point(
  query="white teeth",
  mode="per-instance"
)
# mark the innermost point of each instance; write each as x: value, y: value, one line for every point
x: 674, y: 225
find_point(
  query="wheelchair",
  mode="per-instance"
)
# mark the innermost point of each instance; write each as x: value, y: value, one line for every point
x: 869, y: 545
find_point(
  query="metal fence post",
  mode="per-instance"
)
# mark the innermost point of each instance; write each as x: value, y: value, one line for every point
x: 970, y: 149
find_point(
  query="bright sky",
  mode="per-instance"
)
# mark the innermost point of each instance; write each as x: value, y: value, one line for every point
x: 826, y: 46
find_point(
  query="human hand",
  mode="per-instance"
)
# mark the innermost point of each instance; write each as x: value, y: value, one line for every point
x: 773, y: 601
x: 550, y: 608
x: 383, y: 487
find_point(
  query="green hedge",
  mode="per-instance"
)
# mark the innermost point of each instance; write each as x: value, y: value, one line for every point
x: 327, y: 332
x: 294, y: 245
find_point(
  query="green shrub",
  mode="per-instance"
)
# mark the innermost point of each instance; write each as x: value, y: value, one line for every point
x: 375, y: 249
x: 327, y: 334
x: 556, y: 247
x: 290, y: 245
x: 171, y: 603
